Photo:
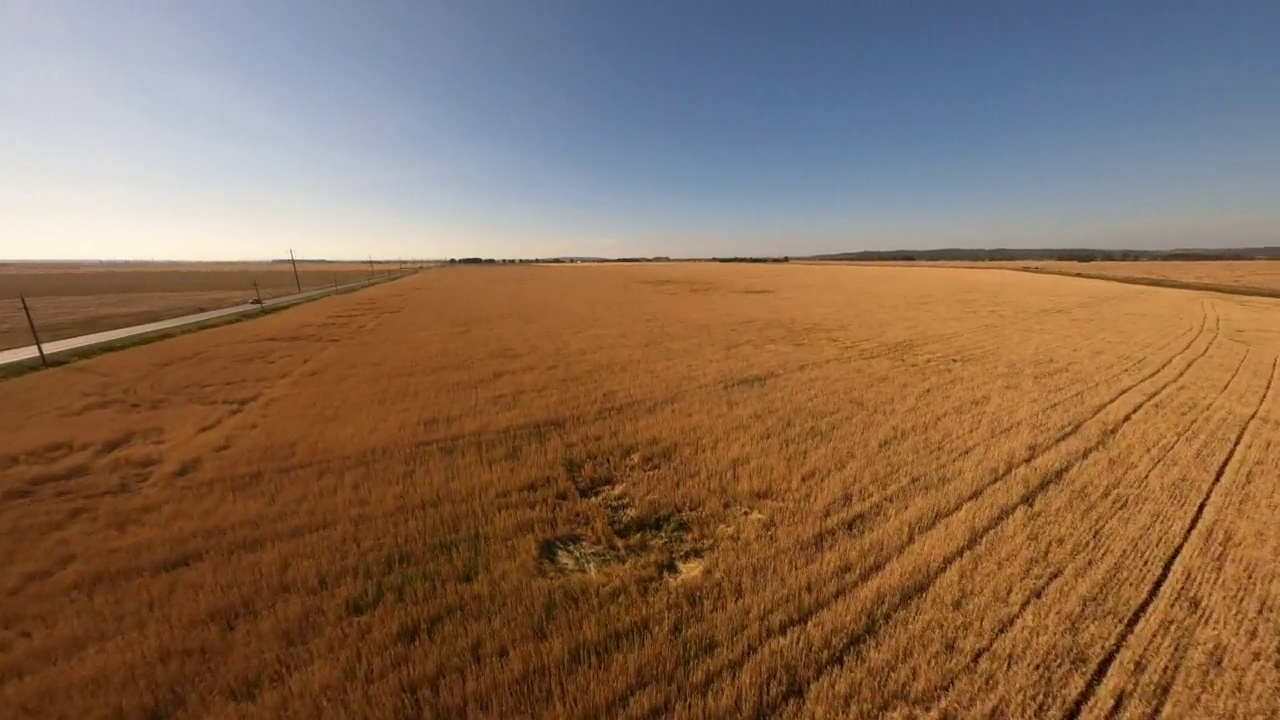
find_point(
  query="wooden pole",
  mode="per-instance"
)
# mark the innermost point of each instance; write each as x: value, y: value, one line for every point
x: 296, y: 281
x: 36, y: 336
x: 258, y: 292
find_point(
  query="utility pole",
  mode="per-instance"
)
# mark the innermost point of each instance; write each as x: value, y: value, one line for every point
x: 296, y: 281
x: 32, y: 324
x: 371, y: 267
x: 258, y: 293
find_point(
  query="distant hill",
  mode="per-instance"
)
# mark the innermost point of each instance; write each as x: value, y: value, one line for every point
x: 1270, y: 252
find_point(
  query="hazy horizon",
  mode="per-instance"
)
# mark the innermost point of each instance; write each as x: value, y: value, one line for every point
x: 673, y: 258
x: 235, y: 131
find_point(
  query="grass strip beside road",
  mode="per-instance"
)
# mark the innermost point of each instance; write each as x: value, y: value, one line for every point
x: 66, y: 357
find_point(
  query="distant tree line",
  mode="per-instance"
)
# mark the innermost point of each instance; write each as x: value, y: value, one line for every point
x: 553, y: 261
x: 1062, y: 254
x: 1082, y: 255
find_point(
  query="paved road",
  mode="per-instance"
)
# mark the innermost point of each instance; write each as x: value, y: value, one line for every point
x: 21, y: 354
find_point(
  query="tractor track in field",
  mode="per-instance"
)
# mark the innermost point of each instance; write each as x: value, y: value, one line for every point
x: 1103, y: 667
x: 1056, y: 577
x: 1125, y: 365
x: 887, y: 499
x: 727, y: 661
x: 1025, y: 499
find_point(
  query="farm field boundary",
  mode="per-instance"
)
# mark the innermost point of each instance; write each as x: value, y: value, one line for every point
x: 1157, y: 282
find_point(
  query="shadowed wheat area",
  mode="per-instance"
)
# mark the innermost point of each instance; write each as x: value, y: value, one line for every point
x: 658, y: 491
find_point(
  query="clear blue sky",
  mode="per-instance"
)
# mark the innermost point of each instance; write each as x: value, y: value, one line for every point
x: 237, y: 129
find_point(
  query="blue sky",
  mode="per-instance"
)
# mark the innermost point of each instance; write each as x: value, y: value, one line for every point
x: 237, y: 130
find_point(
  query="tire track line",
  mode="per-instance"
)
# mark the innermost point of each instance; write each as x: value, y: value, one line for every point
x: 1128, y: 365
x: 877, y: 504
x: 1103, y: 667
x: 1125, y: 364
x: 1169, y: 678
x: 729, y: 661
x: 1056, y: 577
x: 886, y: 499
x: 916, y: 589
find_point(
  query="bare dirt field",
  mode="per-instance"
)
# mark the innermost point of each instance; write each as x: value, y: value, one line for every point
x: 658, y: 491
x: 69, y: 299
x: 1258, y: 276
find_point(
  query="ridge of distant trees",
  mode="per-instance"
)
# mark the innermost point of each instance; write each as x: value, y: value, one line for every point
x: 559, y: 260
x: 1082, y: 255
x: 1062, y: 254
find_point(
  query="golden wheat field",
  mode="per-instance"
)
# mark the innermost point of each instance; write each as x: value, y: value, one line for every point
x: 651, y: 491
x: 68, y: 299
